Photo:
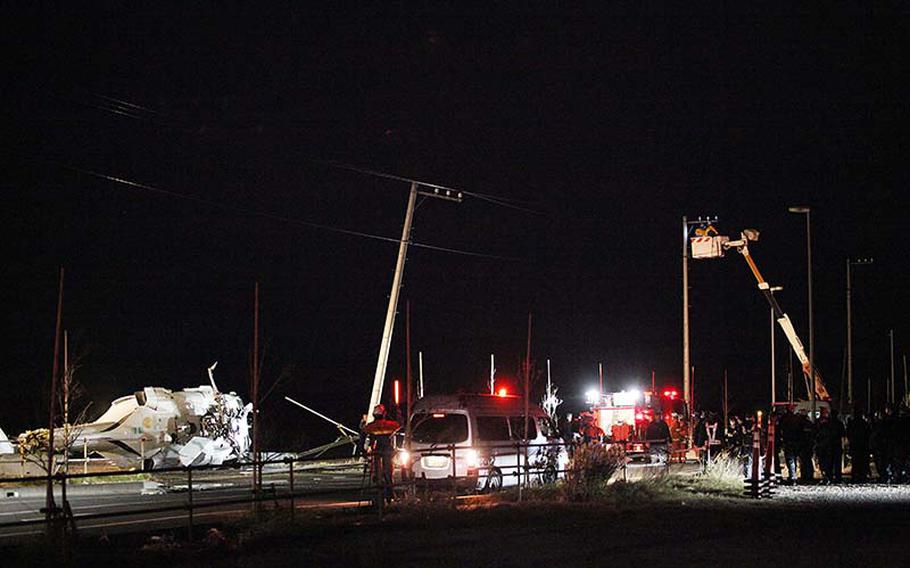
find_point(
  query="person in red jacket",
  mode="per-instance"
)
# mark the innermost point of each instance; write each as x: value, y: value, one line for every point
x: 380, y: 433
x: 590, y: 431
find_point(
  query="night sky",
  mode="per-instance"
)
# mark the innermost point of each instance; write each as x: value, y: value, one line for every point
x: 599, y: 130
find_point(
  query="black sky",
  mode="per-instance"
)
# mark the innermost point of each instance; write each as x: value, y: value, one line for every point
x: 612, y: 124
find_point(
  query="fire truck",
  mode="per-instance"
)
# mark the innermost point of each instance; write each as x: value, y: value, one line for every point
x: 625, y: 415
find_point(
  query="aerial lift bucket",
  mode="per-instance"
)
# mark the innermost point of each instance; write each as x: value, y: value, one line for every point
x: 708, y: 246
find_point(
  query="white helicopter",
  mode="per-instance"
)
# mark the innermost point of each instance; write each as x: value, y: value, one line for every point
x: 158, y: 428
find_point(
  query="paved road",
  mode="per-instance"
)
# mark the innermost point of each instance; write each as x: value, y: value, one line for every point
x: 161, y: 502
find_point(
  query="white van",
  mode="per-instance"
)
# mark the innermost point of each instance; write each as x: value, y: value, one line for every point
x: 483, y: 433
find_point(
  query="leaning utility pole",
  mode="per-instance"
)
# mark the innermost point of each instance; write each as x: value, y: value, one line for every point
x: 383, y: 360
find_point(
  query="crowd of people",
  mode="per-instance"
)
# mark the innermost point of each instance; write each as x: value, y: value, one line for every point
x: 878, y: 444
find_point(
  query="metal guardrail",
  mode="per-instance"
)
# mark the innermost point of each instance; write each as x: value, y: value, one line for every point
x: 257, y: 495
x: 526, y: 472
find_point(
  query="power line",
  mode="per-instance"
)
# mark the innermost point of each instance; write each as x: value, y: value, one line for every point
x: 272, y: 216
x: 501, y: 201
x: 126, y: 104
x: 125, y: 108
x: 197, y: 199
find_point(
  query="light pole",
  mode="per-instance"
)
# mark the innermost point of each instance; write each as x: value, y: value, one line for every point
x: 687, y: 369
x: 773, y: 289
x: 850, y: 264
x: 808, y: 212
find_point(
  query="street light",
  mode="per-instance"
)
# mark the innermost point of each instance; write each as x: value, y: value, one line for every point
x: 850, y: 264
x: 808, y: 212
x: 772, y: 290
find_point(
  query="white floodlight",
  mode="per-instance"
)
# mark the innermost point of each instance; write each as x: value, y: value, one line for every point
x: 626, y: 397
x: 592, y: 396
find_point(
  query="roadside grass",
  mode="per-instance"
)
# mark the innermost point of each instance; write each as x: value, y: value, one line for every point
x: 722, y: 476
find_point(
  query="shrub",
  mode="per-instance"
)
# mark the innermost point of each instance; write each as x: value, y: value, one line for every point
x: 590, y: 469
x: 722, y: 474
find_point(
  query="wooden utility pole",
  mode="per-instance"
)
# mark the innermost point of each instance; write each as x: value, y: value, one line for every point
x: 527, y: 377
x: 906, y: 392
x: 527, y: 396
x: 50, y: 507
x: 692, y: 395
x: 869, y: 397
x: 408, y: 377
x: 420, y: 374
x: 891, y: 392
x: 726, y: 403
x: 254, y: 392
x: 67, y: 383
x: 389, y: 326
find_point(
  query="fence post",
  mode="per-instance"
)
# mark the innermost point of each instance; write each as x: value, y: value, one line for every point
x: 625, y: 462
x: 518, y: 469
x: 379, y: 472
x: 189, y: 486
x: 527, y: 464
x: 291, y: 485
x: 454, y: 475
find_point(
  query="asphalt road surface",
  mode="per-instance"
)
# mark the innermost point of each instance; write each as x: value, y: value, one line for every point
x: 161, y: 501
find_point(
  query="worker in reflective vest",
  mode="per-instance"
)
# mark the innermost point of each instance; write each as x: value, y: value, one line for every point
x: 380, y: 433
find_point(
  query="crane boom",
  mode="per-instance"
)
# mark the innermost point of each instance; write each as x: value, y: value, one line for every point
x: 742, y: 247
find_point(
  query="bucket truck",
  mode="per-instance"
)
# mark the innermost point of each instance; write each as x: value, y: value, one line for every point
x: 708, y: 244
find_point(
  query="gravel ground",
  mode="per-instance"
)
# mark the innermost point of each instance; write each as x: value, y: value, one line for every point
x: 845, y: 494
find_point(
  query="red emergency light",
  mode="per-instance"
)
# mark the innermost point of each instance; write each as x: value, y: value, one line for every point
x: 672, y: 394
x: 502, y: 392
